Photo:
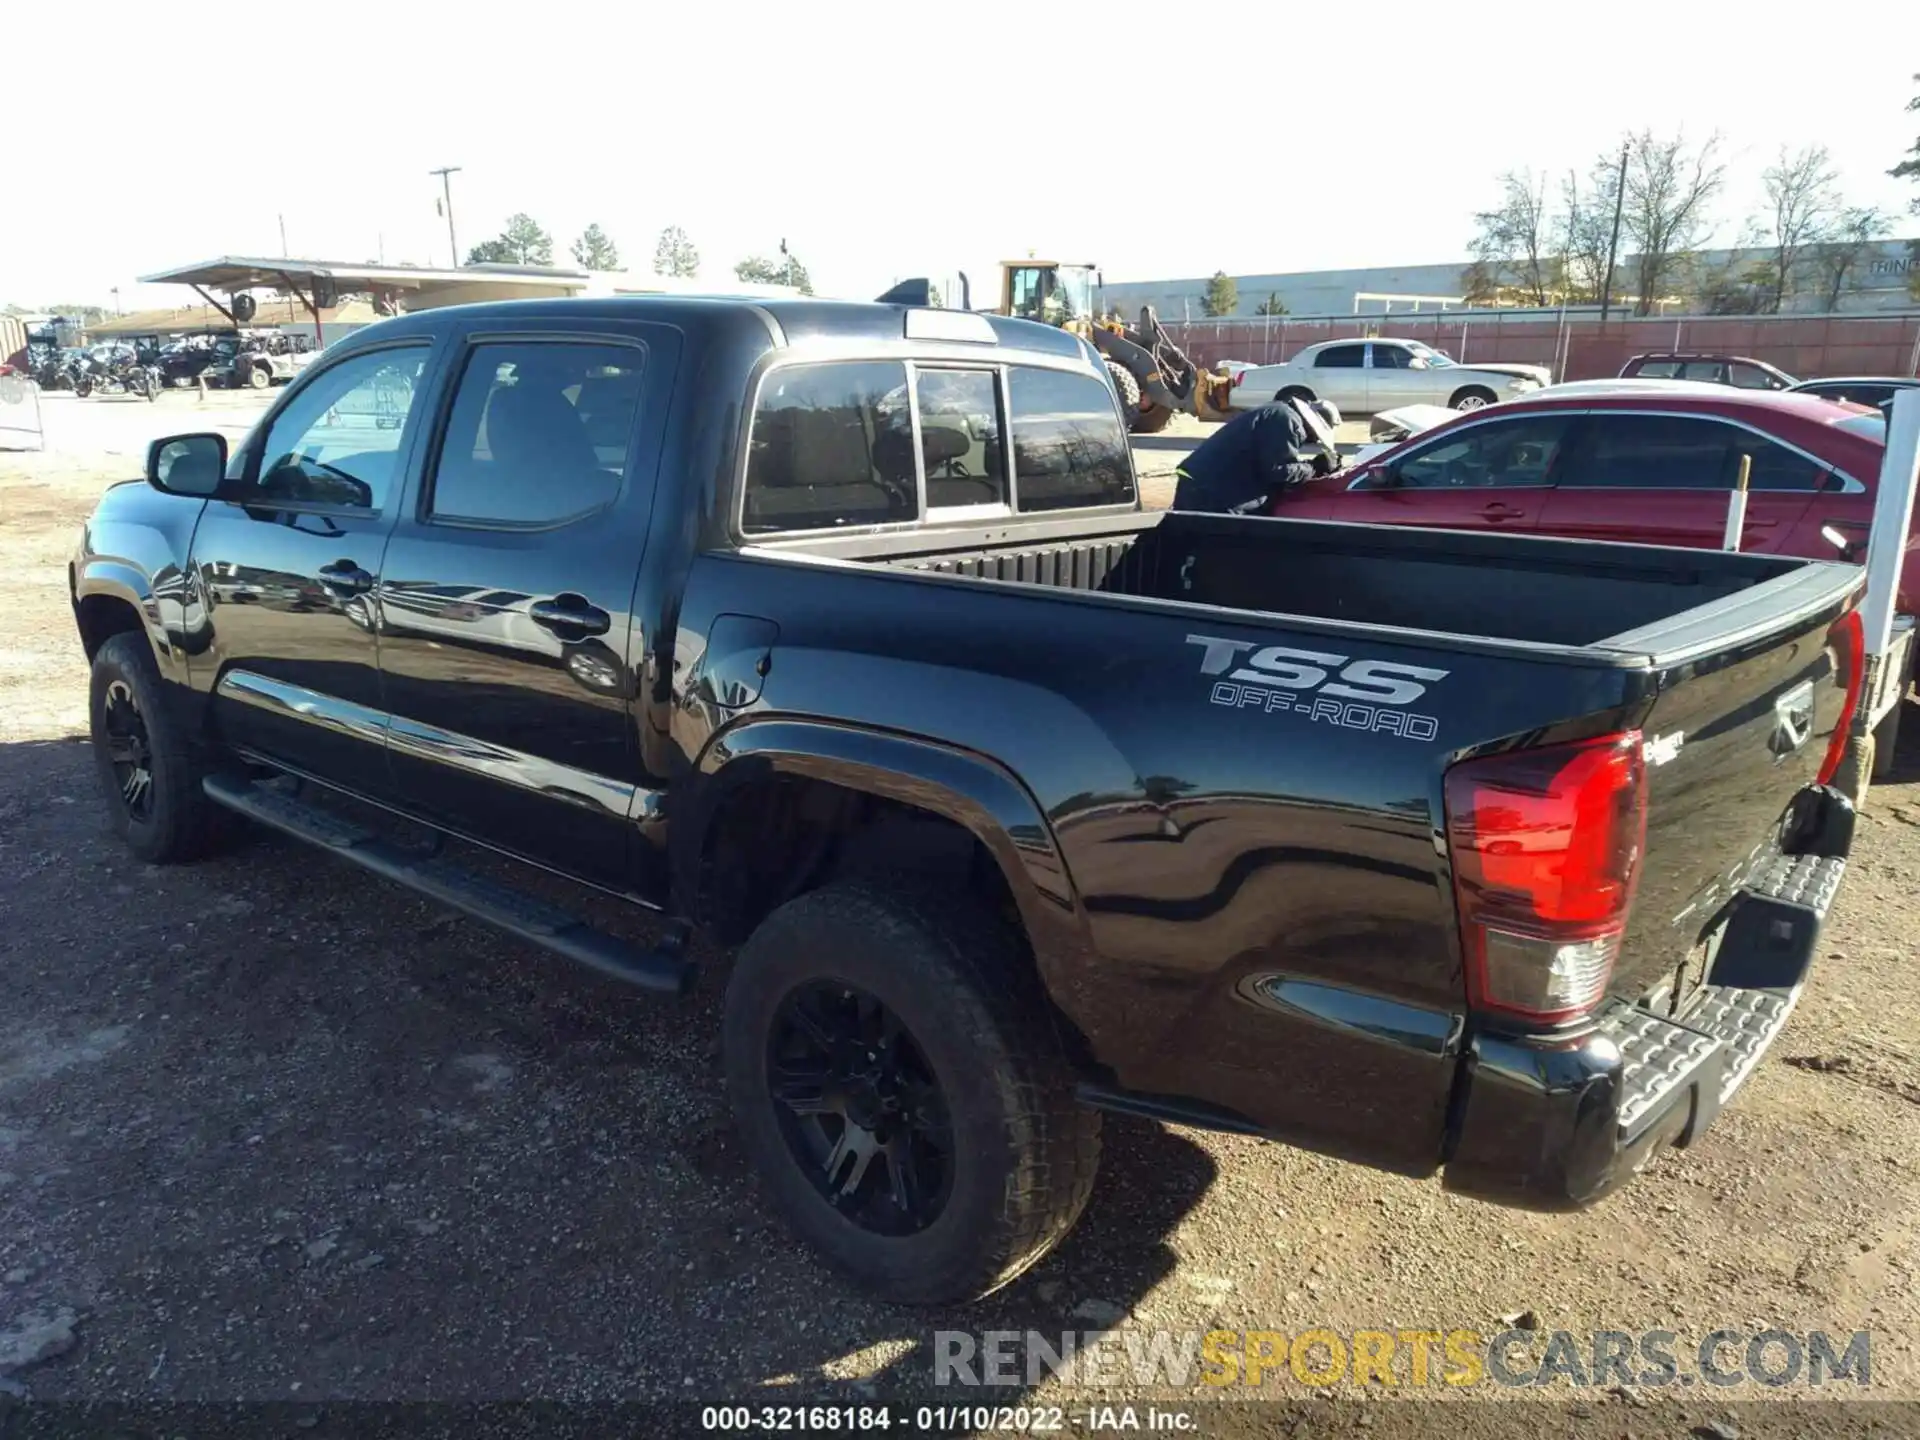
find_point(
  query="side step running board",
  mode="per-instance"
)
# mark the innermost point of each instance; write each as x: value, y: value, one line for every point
x: 662, y: 969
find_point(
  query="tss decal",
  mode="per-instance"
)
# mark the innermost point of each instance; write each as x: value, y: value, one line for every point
x: 1335, y: 689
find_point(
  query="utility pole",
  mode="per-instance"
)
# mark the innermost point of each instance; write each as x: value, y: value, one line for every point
x: 446, y: 190
x: 1613, y: 245
x: 284, y: 252
x: 789, y: 254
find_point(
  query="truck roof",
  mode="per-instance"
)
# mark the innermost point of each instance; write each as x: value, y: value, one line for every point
x: 788, y: 322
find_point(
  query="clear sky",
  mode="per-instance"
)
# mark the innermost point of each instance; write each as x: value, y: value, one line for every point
x: 886, y: 141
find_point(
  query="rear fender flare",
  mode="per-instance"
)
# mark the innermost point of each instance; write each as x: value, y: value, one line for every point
x: 973, y: 792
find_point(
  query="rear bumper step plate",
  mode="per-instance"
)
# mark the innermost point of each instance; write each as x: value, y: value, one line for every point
x: 1759, y: 965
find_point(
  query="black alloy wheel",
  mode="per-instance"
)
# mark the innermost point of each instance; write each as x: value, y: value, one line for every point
x: 129, y: 750
x: 860, y: 1108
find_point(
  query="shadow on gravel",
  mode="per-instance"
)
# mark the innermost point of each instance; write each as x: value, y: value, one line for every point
x: 1151, y: 1177
x: 263, y: 1119
x: 1906, y: 755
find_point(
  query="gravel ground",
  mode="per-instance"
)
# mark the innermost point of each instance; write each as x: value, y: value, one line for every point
x: 270, y: 1130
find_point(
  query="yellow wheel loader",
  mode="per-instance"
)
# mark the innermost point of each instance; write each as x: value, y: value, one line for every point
x: 1153, y: 375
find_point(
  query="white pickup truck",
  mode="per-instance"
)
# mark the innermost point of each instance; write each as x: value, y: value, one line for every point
x: 1364, y: 377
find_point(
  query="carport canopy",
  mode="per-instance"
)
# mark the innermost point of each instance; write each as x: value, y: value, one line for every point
x: 393, y: 287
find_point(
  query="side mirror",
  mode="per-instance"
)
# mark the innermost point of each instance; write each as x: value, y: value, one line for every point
x: 192, y: 465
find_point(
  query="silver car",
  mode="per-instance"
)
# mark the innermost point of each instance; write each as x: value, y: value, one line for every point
x: 1364, y: 377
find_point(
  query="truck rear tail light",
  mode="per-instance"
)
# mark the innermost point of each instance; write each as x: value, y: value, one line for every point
x: 1546, y: 848
x: 1849, y: 640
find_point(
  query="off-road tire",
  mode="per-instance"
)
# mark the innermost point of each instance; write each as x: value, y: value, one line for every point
x: 1128, y: 388
x: 259, y: 377
x: 1150, y: 419
x: 960, y: 983
x: 1472, y: 397
x: 182, y: 823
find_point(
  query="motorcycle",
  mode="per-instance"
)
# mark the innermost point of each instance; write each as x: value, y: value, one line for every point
x: 121, y: 374
x: 57, y: 370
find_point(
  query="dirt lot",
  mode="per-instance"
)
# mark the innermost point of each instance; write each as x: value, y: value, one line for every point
x: 270, y: 1130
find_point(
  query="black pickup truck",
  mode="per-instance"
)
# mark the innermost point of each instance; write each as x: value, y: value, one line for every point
x: 837, y: 631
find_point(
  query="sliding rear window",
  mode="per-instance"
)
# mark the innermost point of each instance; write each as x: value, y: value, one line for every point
x: 833, y: 444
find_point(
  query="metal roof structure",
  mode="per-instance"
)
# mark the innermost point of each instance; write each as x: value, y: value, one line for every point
x: 318, y: 284
x: 234, y: 273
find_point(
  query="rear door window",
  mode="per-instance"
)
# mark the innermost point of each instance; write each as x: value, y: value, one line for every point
x: 1340, y: 357
x: 1652, y: 452
x: 1659, y: 370
x: 538, y: 434
x: 1711, y: 371
x: 831, y: 446
x: 1069, y: 450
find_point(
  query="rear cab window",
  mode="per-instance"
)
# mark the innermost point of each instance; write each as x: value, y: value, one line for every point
x: 837, y: 445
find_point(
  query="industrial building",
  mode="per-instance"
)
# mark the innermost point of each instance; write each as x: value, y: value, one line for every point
x: 1878, y: 283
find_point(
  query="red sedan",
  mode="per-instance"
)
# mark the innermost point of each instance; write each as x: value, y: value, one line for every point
x: 1651, y: 462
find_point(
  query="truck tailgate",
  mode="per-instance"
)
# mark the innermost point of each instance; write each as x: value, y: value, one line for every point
x: 1735, y: 732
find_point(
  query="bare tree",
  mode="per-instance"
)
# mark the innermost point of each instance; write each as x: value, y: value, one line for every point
x: 1512, y: 244
x: 1669, y: 188
x: 1584, y: 229
x: 1801, y: 200
x: 1909, y: 168
x: 1741, y: 281
x: 1845, y: 245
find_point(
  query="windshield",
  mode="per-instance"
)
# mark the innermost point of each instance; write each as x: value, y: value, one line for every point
x: 1072, y: 297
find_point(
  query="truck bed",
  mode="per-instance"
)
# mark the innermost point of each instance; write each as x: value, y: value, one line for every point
x: 1625, y: 600
x: 1698, y: 649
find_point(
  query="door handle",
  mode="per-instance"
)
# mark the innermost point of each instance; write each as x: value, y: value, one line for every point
x: 570, y: 617
x: 1499, y: 511
x: 346, y: 576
